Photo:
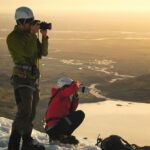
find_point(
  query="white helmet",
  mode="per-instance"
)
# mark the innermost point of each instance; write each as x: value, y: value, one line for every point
x: 23, y: 13
x: 64, y: 81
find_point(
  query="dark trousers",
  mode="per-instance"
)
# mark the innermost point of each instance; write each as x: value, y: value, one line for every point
x: 67, y: 125
x: 26, y: 100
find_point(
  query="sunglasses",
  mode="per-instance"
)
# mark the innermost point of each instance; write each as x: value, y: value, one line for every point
x: 35, y: 22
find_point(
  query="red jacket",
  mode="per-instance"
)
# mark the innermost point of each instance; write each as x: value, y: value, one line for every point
x: 61, y: 104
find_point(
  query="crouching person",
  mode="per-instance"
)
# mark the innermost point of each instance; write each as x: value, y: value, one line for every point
x: 62, y: 118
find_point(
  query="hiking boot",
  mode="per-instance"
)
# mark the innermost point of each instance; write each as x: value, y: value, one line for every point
x: 28, y: 144
x: 65, y: 139
x: 14, y: 141
x: 54, y: 138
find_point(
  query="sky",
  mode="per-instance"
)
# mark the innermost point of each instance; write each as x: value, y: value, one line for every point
x: 45, y: 6
x: 83, y: 14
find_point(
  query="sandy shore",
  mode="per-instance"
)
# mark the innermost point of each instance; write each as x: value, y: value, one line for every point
x: 128, y: 119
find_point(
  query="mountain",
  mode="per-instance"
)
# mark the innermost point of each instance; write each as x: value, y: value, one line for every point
x: 5, y: 129
x: 132, y: 89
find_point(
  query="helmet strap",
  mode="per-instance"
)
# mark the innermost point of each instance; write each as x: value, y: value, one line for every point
x: 24, y: 21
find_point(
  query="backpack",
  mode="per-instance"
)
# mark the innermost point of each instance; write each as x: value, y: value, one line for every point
x: 114, y: 142
x: 145, y: 148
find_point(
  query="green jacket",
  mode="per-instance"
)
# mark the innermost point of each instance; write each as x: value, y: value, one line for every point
x: 25, y: 49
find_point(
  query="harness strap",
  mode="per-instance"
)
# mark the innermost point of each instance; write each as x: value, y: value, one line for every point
x: 56, y: 118
x: 68, y: 121
x: 25, y: 67
x: 49, y: 128
x: 24, y: 85
x: 52, y: 119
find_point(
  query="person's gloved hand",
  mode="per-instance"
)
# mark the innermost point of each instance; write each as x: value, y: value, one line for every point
x: 78, y: 83
x: 75, y: 95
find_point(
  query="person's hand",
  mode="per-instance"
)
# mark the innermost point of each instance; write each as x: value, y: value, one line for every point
x: 44, y: 33
x: 75, y: 95
x: 78, y: 83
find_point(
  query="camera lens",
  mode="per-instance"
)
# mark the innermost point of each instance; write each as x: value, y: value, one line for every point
x: 45, y: 26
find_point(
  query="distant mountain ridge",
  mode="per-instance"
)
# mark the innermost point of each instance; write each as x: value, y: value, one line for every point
x: 133, y: 89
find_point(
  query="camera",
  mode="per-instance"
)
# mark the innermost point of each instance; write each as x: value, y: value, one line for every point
x: 83, y: 89
x: 45, y: 26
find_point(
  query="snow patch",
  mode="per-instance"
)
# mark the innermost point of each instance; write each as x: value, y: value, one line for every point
x: 5, y: 129
x: 71, y: 62
x: 94, y: 91
x: 123, y: 76
x: 117, y: 79
x: 80, y: 68
x: 49, y: 58
x: 102, y: 62
x: 54, y: 50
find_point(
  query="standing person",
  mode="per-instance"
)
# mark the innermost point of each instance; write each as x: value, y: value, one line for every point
x: 62, y: 118
x: 25, y: 50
